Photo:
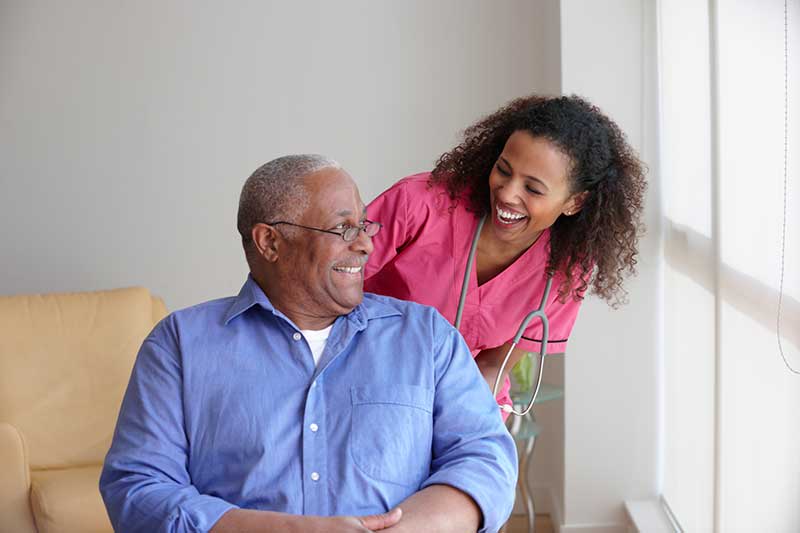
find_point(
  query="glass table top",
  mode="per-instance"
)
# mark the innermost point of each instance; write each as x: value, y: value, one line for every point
x: 523, y: 428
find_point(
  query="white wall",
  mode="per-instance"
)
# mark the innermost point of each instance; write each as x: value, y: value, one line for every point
x: 128, y: 128
x: 612, y: 410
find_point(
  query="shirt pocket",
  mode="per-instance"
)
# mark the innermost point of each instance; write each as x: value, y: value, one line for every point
x: 391, y: 432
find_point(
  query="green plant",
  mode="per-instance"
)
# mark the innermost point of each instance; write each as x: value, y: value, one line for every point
x: 523, y: 373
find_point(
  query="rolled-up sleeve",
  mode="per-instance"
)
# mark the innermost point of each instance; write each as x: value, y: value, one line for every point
x: 403, y: 210
x: 145, y: 483
x: 472, y: 450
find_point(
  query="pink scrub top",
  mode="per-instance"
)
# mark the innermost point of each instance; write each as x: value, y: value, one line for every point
x: 421, y: 255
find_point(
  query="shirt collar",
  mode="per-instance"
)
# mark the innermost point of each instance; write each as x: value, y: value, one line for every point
x: 251, y: 295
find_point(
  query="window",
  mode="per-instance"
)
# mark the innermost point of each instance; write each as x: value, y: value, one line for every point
x: 732, y: 427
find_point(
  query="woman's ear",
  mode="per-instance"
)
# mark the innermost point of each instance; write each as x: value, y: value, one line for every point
x: 265, y: 240
x: 575, y: 203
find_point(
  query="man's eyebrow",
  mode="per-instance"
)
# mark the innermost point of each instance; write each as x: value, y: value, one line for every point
x: 344, y: 213
x: 534, y: 178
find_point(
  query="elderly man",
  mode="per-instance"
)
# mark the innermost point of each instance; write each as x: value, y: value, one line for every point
x: 302, y: 404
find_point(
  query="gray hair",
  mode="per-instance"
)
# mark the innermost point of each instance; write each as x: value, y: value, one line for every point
x: 275, y: 191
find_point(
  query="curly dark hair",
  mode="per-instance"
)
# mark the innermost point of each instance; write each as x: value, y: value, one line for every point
x: 604, y: 234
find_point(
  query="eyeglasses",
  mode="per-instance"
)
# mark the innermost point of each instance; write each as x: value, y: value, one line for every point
x: 347, y: 232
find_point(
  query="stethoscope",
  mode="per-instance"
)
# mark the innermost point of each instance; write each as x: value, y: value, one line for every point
x: 524, y: 324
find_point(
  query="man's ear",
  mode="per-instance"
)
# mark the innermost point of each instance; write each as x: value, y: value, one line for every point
x: 265, y: 240
x: 575, y: 203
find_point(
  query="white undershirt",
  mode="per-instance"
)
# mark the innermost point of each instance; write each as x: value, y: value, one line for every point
x: 316, y: 340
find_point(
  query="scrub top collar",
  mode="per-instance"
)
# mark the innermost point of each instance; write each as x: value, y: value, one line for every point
x: 532, y: 262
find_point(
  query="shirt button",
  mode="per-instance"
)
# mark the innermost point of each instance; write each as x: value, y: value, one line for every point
x: 297, y: 336
x: 314, y: 476
x: 313, y: 427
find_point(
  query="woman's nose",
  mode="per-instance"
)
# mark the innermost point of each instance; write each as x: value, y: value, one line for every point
x: 509, y: 191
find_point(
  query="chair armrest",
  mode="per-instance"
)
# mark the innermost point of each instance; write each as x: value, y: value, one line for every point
x: 15, y: 483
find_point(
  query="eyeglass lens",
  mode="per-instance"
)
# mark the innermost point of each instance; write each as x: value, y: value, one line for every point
x: 371, y: 229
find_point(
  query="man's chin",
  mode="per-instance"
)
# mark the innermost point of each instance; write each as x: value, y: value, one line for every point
x: 351, y: 301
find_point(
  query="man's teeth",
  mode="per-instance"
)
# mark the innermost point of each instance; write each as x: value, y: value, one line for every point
x: 507, y: 216
x: 348, y: 270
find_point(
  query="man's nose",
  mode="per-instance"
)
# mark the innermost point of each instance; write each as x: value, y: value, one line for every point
x: 363, y: 243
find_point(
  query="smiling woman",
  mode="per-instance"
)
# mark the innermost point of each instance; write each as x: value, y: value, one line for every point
x: 564, y: 193
x: 528, y: 191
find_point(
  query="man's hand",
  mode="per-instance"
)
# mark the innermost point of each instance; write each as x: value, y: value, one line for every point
x: 245, y: 521
x: 349, y: 524
x: 376, y: 522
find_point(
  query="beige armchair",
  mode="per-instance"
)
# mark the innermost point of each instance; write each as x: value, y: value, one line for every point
x: 65, y: 360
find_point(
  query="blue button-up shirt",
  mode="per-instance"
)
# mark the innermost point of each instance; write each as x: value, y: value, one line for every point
x: 225, y: 408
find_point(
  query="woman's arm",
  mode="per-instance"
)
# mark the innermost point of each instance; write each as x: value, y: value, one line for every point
x: 489, y: 362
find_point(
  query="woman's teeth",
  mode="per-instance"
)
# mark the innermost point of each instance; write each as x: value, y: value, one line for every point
x: 348, y: 270
x: 507, y: 217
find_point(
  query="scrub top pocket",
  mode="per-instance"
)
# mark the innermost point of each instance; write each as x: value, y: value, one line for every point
x: 392, y: 428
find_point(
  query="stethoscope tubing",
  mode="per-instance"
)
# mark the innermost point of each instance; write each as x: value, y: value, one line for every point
x: 538, y: 313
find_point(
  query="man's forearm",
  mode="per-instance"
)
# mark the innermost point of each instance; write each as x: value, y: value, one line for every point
x: 251, y: 521
x: 244, y: 521
x: 440, y: 509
